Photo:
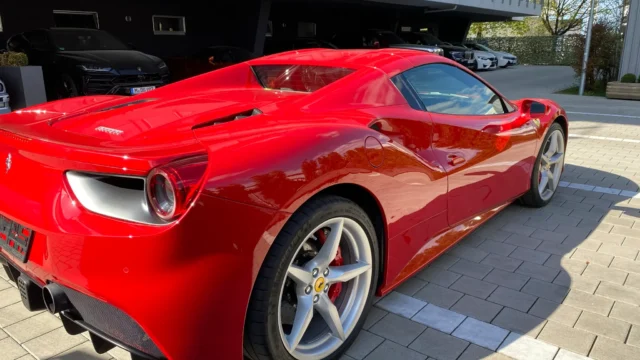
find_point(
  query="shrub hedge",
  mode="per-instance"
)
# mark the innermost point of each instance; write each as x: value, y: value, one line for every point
x: 537, y: 50
x: 13, y: 59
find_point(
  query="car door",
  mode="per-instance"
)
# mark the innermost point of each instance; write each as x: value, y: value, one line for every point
x: 485, y: 144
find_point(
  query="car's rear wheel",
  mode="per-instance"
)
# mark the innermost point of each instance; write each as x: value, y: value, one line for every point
x: 546, y: 173
x: 316, y: 285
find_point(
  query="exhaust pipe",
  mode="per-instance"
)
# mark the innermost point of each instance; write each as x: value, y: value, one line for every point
x: 55, y: 299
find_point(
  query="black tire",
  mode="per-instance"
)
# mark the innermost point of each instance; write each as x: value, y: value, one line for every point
x: 66, y: 87
x: 532, y: 197
x: 262, y: 337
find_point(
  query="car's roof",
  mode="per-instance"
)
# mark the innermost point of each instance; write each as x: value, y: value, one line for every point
x: 347, y: 58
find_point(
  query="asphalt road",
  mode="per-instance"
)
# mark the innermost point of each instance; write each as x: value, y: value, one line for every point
x: 543, y: 81
x: 530, y: 81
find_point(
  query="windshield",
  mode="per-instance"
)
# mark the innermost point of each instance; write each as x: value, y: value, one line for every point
x: 82, y: 40
x: 428, y: 39
x: 387, y: 38
x: 481, y: 47
x: 305, y: 78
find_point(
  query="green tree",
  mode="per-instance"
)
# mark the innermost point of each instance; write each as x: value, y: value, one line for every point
x: 604, y: 56
x: 531, y: 26
x: 561, y: 16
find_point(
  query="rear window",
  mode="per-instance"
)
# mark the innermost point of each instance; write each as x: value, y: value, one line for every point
x: 304, y: 78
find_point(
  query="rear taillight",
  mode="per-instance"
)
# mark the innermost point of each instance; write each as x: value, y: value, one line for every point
x: 173, y: 187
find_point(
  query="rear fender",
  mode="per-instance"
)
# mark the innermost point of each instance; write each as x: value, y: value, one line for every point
x: 268, y: 169
x: 262, y: 166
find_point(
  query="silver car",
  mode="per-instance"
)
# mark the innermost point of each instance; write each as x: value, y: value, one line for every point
x: 4, y: 100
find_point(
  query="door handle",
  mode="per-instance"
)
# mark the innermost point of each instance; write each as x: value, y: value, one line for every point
x: 455, y: 160
x: 500, y: 128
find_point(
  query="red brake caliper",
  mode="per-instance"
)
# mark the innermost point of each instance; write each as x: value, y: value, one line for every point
x: 335, y: 289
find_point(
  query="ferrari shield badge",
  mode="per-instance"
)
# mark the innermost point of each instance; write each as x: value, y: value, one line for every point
x: 536, y: 122
x: 7, y: 164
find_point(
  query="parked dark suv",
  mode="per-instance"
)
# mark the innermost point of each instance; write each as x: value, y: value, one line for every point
x: 88, y: 62
x: 459, y: 54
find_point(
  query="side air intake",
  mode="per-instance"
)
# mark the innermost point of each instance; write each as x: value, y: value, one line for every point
x: 232, y: 117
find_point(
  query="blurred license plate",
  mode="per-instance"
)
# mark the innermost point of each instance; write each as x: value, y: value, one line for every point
x: 140, y: 90
x: 15, y: 238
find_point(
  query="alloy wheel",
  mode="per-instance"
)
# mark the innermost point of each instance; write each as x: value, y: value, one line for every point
x: 551, y: 164
x: 322, y: 299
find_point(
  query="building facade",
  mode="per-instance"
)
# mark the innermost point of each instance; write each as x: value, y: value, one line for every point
x: 631, y: 52
x: 173, y: 28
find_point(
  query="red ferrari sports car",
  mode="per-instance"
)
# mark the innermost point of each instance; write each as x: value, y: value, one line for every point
x: 256, y: 210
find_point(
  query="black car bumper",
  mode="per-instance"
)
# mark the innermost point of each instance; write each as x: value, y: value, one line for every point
x: 464, y: 62
x: 107, y: 325
x: 109, y: 84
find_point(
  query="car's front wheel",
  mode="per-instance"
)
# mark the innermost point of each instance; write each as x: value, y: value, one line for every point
x: 547, y: 170
x: 316, y: 285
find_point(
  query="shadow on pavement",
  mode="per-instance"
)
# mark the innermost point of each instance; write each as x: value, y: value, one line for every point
x: 583, y: 274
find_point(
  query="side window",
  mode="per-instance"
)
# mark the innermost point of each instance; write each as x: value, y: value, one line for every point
x: 38, y: 40
x: 510, y: 108
x: 402, y: 86
x: 18, y: 43
x: 446, y: 89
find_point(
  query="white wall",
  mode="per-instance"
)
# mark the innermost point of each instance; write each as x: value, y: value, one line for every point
x: 507, y: 8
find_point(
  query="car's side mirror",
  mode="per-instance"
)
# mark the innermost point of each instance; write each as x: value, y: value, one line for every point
x: 534, y: 108
x: 537, y: 108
